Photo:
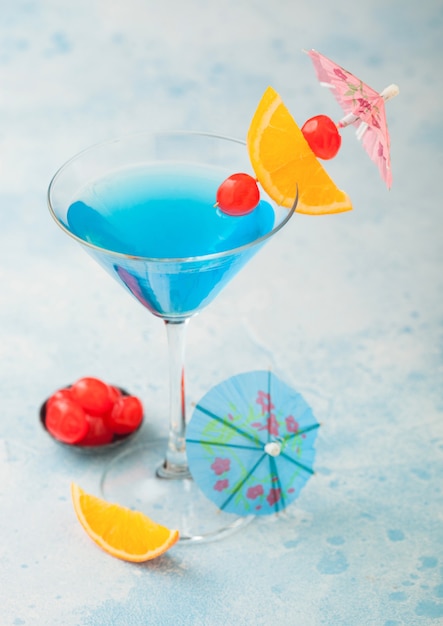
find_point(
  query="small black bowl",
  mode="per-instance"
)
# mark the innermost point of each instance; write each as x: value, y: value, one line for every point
x: 117, y: 441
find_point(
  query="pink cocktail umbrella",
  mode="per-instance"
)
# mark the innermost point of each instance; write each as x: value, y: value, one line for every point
x: 364, y: 108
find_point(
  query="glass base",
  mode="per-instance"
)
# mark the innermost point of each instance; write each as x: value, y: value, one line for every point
x: 133, y: 479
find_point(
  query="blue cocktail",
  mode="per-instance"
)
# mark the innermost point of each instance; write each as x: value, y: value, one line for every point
x: 166, y: 211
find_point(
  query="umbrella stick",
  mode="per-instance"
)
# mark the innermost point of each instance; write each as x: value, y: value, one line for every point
x: 240, y: 484
x: 302, y: 431
x: 279, y: 502
x: 388, y: 92
x: 297, y: 463
x: 223, y: 445
x: 226, y: 423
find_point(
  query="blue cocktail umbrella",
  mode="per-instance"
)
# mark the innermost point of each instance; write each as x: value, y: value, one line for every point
x: 250, y: 444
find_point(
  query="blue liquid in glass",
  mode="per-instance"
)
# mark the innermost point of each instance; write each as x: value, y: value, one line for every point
x: 164, y: 215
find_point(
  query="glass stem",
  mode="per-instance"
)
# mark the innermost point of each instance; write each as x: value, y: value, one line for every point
x: 175, y: 465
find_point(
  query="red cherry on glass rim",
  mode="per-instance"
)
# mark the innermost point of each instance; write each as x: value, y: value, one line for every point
x: 92, y: 395
x: 66, y: 421
x: 238, y: 195
x: 322, y: 135
x: 99, y: 433
x: 126, y: 415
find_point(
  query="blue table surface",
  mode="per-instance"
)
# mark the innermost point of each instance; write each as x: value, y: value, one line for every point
x: 348, y: 308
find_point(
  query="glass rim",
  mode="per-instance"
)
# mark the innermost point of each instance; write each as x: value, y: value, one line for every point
x: 160, y: 260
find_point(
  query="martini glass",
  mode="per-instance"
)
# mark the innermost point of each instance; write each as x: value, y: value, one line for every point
x: 143, y: 207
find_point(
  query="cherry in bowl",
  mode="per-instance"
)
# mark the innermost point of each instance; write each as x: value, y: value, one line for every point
x: 91, y: 415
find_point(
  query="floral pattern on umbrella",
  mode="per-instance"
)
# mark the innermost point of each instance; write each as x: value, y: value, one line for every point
x: 365, y: 109
x: 250, y: 444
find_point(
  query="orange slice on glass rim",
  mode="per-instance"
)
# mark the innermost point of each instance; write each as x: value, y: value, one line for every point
x: 119, y: 531
x: 283, y: 162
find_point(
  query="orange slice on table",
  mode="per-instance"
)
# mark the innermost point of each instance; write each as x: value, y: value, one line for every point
x: 125, y: 534
x: 283, y: 162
